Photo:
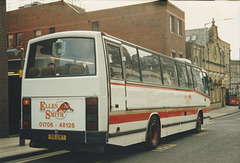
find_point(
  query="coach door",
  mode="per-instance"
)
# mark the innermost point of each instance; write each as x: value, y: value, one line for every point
x: 116, y: 76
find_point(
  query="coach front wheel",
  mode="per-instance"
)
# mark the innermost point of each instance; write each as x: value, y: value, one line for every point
x: 198, y: 124
x: 153, y: 134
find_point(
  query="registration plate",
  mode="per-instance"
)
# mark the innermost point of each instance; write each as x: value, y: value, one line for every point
x: 57, y: 137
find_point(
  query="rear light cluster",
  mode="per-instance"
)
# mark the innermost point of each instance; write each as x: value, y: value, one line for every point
x: 91, y: 114
x: 26, y: 113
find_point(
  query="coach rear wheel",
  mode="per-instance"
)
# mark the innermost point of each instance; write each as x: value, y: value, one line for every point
x: 153, y: 134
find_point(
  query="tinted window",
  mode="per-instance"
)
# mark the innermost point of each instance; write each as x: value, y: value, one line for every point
x: 190, y: 81
x: 150, y: 67
x: 198, y: 80
x: 131, y: 63
x: 115, y: 61
x: 61, y: 57
x: 206, y: 83
x: 182, y: 75
x: 169, y: 72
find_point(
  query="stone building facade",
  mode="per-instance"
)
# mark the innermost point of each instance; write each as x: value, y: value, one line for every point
x: 195, y: 53
x: 235, y: 77
x: 215, y: 59
x: 3, y: 72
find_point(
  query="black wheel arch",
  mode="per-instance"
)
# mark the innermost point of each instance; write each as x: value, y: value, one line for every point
x: 200, y: 113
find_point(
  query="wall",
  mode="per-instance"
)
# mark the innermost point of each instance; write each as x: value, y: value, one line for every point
x: 3, y: 73
x: 144, y: 24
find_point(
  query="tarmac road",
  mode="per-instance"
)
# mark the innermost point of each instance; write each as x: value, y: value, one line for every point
x: 218, y: 142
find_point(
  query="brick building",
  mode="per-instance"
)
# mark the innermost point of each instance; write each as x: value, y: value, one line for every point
x: 216, y: 61
x: 156, y: 25
x: 3, y: 72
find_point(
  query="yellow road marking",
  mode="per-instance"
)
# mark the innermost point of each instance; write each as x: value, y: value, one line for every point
x: 202, y: 133
x: 163, y: 147
x: 211, y: 122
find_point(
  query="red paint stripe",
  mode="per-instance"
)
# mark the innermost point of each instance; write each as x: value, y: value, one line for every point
x: 206, y: 110
x: 116, y: 119
x: 118, y: 84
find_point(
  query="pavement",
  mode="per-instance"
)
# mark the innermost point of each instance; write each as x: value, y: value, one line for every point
x: 10, y: 147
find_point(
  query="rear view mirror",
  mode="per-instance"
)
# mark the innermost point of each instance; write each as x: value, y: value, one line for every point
x: 58, y: 48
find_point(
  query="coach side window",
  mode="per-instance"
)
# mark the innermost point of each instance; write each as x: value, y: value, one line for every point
x: 169, y: 72
x: 190, y: 80
x: 205, y: 77
x: 131, y: 63
x: 182, y: 75
x: 198, y: 79
x: 150, y: 67
x: 115, y: 61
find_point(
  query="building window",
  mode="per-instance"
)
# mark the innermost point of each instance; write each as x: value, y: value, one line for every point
x: 179, y: 55
x: 10, y: 41
x: 194, y: 38
x: 37, y: 33
x: 18, y: 39
x: 180, y: 27
x: 52, y: 30
x: 188, y: 38
x: 195, y: 62
x: 172, y: 24
x: 173, y: 55
x: 95, y: 26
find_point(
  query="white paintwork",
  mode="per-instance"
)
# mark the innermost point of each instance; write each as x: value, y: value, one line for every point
x: 71, y: 87
x: 179, y: 128
x: 128, y: 139
x: 46, y: 117
x: 117, y: 95
x: 75, y: 89
x: 141, y: 97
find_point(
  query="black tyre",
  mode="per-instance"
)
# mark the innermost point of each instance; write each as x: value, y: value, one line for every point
x: 153, y: 134
x: 198, y: 124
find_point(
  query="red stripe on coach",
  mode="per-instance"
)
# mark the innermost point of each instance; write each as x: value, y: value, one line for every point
x: 115, y: 119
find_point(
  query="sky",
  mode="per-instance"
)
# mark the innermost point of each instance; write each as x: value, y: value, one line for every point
x: 197, y: 13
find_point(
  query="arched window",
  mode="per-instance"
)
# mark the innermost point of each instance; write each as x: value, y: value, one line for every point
x: 195, y: 61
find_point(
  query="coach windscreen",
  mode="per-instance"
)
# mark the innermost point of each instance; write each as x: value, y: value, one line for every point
x: 62, y: 57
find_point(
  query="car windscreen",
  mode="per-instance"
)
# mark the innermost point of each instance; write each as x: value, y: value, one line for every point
x: 62, y: 57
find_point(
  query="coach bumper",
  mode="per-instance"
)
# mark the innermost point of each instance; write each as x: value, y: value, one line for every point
x: 40, y: 138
